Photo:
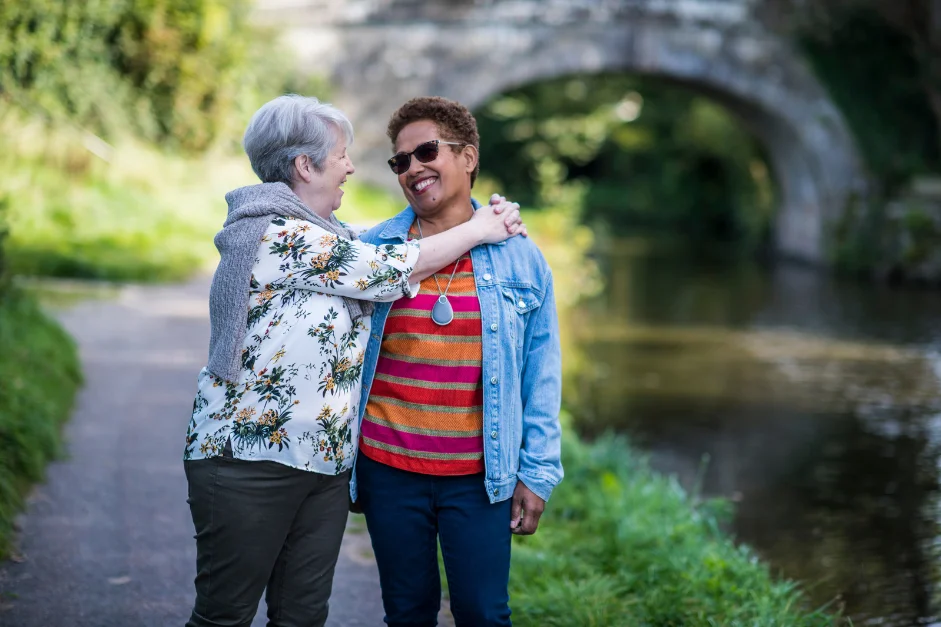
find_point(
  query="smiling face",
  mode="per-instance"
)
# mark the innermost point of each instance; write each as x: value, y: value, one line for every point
x: 328, y: 183
x: 431, y: 187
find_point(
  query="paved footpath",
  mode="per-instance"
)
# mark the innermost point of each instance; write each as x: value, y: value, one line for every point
x: 108, y: 540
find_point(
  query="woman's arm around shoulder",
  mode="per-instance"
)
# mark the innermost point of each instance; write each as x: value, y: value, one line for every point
x: 296, y: 254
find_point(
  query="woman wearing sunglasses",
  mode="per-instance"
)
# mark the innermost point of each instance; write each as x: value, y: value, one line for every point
x: 460, y: 436
x: 274, y: 427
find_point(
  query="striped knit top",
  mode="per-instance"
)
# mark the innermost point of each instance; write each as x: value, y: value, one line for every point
x: 425, y: 408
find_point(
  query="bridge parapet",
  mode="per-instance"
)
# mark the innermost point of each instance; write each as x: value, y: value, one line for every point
x: 338, y: 13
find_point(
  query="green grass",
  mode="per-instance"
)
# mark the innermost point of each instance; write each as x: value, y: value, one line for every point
x: 80, y: 208
x: 39, y: 377
x: 621, y: 545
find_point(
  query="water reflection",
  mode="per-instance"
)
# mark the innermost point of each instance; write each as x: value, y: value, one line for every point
x: 817, y: 402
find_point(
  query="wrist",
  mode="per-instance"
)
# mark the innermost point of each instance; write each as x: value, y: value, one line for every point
x: 478, y: 233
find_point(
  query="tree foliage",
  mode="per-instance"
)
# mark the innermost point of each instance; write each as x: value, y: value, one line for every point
x: 881, y: 60
x: 172, y: 70
x: 917, y: 21
x: 646, y: 155
x: 4, y: 276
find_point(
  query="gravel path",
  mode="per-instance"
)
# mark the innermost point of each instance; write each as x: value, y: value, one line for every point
x: 108, y: 540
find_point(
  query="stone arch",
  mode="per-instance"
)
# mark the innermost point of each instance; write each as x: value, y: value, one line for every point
x: 377, y: 64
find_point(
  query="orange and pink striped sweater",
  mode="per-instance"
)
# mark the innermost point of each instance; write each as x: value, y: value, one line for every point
x: 425, y: 408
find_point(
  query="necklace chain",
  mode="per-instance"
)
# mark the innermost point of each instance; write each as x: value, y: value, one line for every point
x: 435, y: 275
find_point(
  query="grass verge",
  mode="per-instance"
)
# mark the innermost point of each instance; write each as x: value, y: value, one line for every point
x: 80, y: 208
x: 39, y: 377
x: 620, y: 544
x: 127, y: 212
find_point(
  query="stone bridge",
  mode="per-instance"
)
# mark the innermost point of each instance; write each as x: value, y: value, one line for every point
x: 379, y: 53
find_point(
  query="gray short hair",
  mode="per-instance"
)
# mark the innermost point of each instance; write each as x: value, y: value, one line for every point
x: 290, y: 126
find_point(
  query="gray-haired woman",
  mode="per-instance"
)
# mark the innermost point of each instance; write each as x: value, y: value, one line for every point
x: 273, y: 433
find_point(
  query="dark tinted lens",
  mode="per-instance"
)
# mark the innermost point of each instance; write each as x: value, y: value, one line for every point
x: 400, y: 162
x: 427, y: 152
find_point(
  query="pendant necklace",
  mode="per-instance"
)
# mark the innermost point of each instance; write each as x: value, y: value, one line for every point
x: 442, y: 313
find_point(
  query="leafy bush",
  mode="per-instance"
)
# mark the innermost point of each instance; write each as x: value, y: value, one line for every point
x: 4, y: 273
x: 143, y: 215
x: 39, y: 377
x: 875, y: 79
x: 173, y: 70
x: 107, y: 109
x: 54, y: 55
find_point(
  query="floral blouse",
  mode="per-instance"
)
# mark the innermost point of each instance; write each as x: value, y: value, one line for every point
x: 302, y: 358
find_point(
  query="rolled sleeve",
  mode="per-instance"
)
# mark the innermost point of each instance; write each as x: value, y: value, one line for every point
x: 540, y: 486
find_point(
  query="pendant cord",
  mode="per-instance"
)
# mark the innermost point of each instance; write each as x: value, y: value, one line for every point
x: 435, y: 274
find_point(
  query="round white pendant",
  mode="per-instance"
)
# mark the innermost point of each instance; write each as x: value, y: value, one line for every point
x: 442, y: 313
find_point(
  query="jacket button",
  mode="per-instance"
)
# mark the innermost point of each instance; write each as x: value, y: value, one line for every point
x: 493, y: 380
x: 487, y: 277
x: 493, y: 435
x: 493, y: 327
x: 521, y: 304
x: 496, y: 492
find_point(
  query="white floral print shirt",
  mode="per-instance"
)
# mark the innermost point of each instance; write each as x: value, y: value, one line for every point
x: 302, y: 358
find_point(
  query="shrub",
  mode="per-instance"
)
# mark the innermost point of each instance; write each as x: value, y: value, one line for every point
x: 175, y: 70
x: 39, y: 376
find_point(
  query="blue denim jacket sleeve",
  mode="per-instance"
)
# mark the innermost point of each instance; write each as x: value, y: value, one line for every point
x: 540, y: 462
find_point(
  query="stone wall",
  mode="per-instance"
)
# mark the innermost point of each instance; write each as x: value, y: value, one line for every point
x: 379, y: 53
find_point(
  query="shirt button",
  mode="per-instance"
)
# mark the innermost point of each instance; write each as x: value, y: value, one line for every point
x: 487, y: 277
x: 493, y: 435
x: 493, y: 327
x: 493, y: 380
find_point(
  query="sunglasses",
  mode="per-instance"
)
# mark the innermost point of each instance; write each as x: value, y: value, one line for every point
x: 425, y: 153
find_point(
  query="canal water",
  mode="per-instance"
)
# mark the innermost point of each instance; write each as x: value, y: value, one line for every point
x: 814, y: 404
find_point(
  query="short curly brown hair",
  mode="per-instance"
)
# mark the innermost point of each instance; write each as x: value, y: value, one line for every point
x: 454, y: 120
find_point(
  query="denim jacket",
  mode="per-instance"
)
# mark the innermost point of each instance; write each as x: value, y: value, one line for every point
x: 522, y: 366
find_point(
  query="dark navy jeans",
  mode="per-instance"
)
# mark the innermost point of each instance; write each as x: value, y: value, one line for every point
x: 407, y: 514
